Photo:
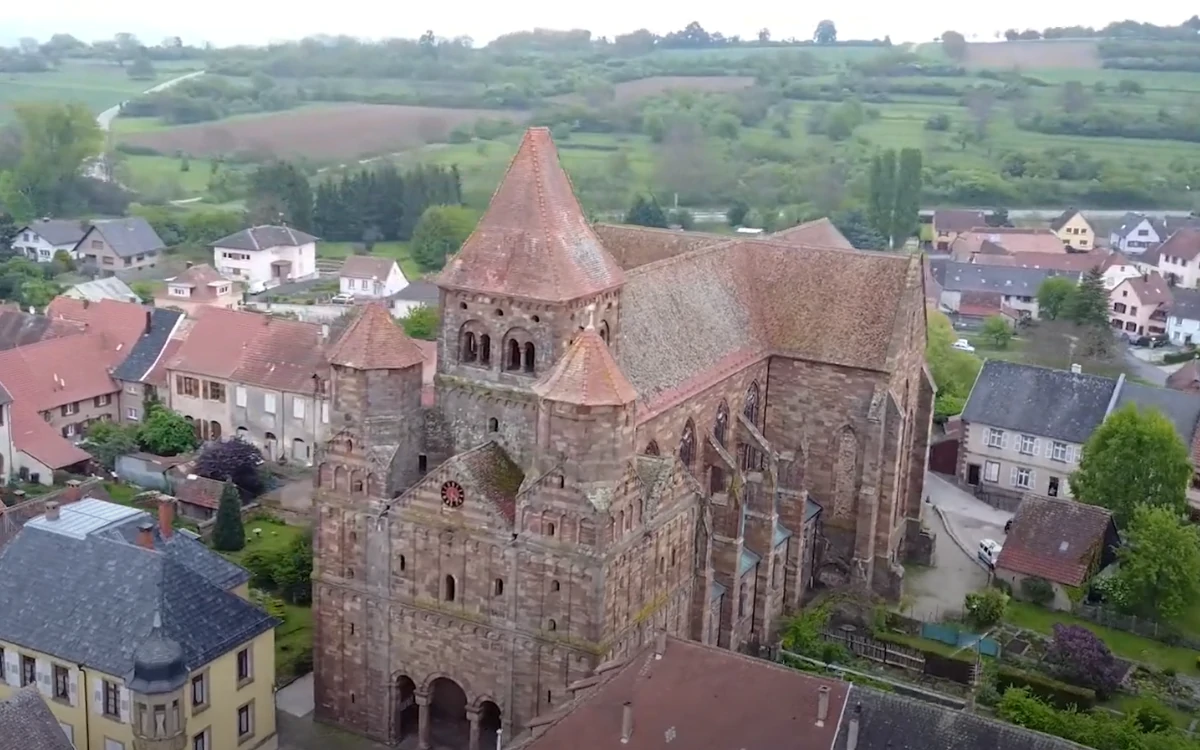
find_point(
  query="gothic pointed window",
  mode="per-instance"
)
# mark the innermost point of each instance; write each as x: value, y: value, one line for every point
x: 751, y: 407
x: 721, y: 426
x: 845, y: 474
x: 687, y: 444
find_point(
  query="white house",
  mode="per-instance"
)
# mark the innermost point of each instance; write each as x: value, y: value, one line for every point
x: 266, y: 256
x: 1183, y: 321
x: 417, y: 294
x: 1118, y: 269
x: 7, y: 466
x: 40, y: 240
x: 1179, y: 257
x: 1135, y: 234
x: 371, y: 276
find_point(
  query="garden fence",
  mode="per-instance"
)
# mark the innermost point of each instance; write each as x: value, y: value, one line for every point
x: 1134, y: 624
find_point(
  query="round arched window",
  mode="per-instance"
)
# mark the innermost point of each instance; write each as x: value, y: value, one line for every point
x: 453, y: 495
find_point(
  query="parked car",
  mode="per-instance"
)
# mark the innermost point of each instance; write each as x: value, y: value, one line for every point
x: 1153, y: 342
x: 989, y: 553
x: 342, y: 299
x: 962, y: 345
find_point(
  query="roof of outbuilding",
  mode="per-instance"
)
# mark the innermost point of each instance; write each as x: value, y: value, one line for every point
x: 265, y: 238
x: 534, y: 241
x: 27, y: 724
x: 1041, y: 401
x: 129, y: 236
x: 100, y: 618
x: 1054, y: 538
x: 95, y: 290
x: 374, y: 341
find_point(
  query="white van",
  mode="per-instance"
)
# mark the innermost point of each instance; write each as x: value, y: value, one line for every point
x: 989, y: 553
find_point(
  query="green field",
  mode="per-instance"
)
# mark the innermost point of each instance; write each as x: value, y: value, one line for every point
x: 397, y: 250
x: 99, y: 85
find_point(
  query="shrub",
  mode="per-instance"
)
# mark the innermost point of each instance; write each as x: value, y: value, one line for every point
x: 261, y: 566
x: 1057, y: 693
x: 938, y: 122
x: 1037, y: 590
x: 1151, y: 717
x: 1174, y: 358
x: 1079, y: 656
x: 986, y: 608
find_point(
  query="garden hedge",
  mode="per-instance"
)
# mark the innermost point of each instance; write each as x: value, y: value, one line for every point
x: 1059, y: 694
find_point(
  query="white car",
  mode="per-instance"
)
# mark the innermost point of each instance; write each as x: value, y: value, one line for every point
x: 342, y: 299
x: 989, y: 553
x: 962, y: 345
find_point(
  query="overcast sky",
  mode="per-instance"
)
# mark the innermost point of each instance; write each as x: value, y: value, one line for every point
x: 226, y: 22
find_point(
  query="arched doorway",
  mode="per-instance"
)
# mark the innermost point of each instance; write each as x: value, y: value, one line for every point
x: 407, y: 713
x: 489, y: 724
x: 448, y: 714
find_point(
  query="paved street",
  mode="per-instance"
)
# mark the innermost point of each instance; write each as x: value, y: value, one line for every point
x: 1142, y: 369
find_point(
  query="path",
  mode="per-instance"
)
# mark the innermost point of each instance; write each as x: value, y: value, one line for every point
x: 1142, y: 368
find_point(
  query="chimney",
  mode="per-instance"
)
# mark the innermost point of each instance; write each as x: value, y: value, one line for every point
x: 660, y: 644
x: 166, y: 517
x: 1077, y: 369
x: 852, y: 730
x: 822, y: 705
x: 146, y: 535
x: 72, y: 492
x: 86, y: 302
x: 626, y: 722
x: 149, y: 323
x: 51, y: 511
x: 324, y: 332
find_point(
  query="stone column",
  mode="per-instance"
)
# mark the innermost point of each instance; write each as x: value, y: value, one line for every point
x: 473, y: 717
x: 422, y: 721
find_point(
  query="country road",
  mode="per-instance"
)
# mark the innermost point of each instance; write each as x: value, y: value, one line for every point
x: 105, y: 118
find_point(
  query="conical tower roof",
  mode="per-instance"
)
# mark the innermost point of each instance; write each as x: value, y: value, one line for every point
x: 373, y: 341
x: 587, y: 375
x: 534, y: 240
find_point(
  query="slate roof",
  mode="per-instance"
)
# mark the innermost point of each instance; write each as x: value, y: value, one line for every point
x: 586, y: 375
x: 95, y: 290
x: 374, y: 341
x: 1054, y: 538
x: 27, y: 724
x: 1151, y: 289
x: 1129, y: 222
x: 1061, y: 220
x: 1183, y: 243
x: 1041, y: 401
x: 419, y: 291
x: 955, y: 276
x: 534, y: 241
x: 763, y: 705
x: 887, y: 721
x: 957, y: 220
x: 367, y: 267
x: 1183, y: 409
x: 21, y: 328
x: 129, y: 236
x: 150, y: 347
x: 59, y: 231
x: 1186, y: 304
x: 264, y: 238
x: 99, y: 618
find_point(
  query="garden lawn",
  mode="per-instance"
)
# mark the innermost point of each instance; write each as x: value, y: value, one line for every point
x: 276, y: 536
x: 1122, y: 644
x: 398, y: 251
x: 293, y: 644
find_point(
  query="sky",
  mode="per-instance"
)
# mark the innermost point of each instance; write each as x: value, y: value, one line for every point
x: 229, y: 22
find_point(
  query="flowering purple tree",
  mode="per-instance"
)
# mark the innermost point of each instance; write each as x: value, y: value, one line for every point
x: 1081, y: 658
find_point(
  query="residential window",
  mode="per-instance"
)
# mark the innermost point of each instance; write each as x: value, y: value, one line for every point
x: 200, y: 741
x: 245, y: 721
x: 200, y: 691
x: 297, y: 408
x: 180, y: 291
x: 214, y: 391
x: 70, y: 430
x: 131, y: 390
x: 991, y: 471
x: 28, y: 671
x: 69, y: 409
x: 186, y: 386
x: 1059, y: 451
x: 112, y: 700
x: 97, y: 245
x: 1023, y: 478
x: 269, y: 403
x: 245, y: 671
x: 3, y: 676
x: 239, y: 395
x: 1119, y: 307
x: 62, y: 684
x: 995, y: 438
x: 1132, y: 310
x: 364, y: 284
x: 1028, y: 445
x: 131, y: 413
x: 104, y: 400
x: 107, y: 260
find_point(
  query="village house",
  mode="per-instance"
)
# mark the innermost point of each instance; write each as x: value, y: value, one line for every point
x: 1179, y: 258
x: 1117, y: 268
x: 266, y: 256
x: 974, y: 291
x: 26, y: 719
x: 110, y: 288
x: 1134, y: 235
x: 370, y: 277
x: 1183, y: 319
x: 256, y: 377
x: 1139, y: 305
x: 1059, y: 541
x: 1076, y: 264
x: 198, y: 286
x: 112, y: 245
x: 948, y: 223
x: 1005, y: 241
x: 1074, y: 230
x: 6, y: 442
x: 143, y: 374
x: 18, y: 328
x: 170, y: 651
x: 41, y: 240
x: 415, y: 294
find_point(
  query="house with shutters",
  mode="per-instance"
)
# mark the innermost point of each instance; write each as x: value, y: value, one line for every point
x: 1074, y: 230
x: 157, y: 646
x: 42, y: 239
x: 1134, y: 235
x: 370, y: 277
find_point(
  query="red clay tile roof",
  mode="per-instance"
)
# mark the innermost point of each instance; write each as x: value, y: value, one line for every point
x: 19, y: 328
x: 203, y: 280
x: 957, y: 220
x: 123, y: 323
x: 1150, y: 289
x: 636, y: 246
x: 1186, y: 378
x: 373, y: 341
x: 51, y: 373
x: 1012, y: 239
x: 33, y: 435
x: 818, y: 232
x: 367, y: 267
x: 675, y: 700
x: 587, y: 375
x: 534, y: 241
x: 199, y: 491
x: 1054, y: 538
x: 1183, y: 243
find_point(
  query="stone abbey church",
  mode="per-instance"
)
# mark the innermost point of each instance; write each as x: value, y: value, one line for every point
x: 632, y: 430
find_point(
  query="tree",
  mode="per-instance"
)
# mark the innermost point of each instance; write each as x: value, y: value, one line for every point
x: 1081, y: 658
x: 736, y: 215
x: 1127, y: 87
x: 38, y: 293
x: 906, y: 204
x: 881, y: 192
x: 292, y: 571
x: 646, y: 213
x: 955, y: 45
x: 228, y: 533
x: 440, y: 233
x: 985, y: 608
x: 998, y: 218
x: 166, y: 433
x: 280, y: 194
x: 1012, y: 35
x: 108, y: 441
x: 55, y: 142
x: 144, y: 290
x: 1089, y: 306
x: 8, y: 233
x: 421, y: 322
x: 953, y: 371
x: 997, y: 331
x: 980, y: 103
x: 1134, y: 458
x: 858, y: 230
x: 1055, y: 296
x: 764, y: 35
x: 1159, y: 574
x: 142, y: 69
x: 64, y: 260
x: 236, y: 461
x: 826, y: 32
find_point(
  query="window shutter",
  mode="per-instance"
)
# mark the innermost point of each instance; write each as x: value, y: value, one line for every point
x: 1012, y: 477
x: 325, y: 413
x: 1037, y: 447
x: 12, y: 668
x: 97, y: 696
x: 1032, y: 479
x: 41, y: 673
x: 124, y: 696
x: 240, y: 395
x: 297, y: 407
x: 73, y: 686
